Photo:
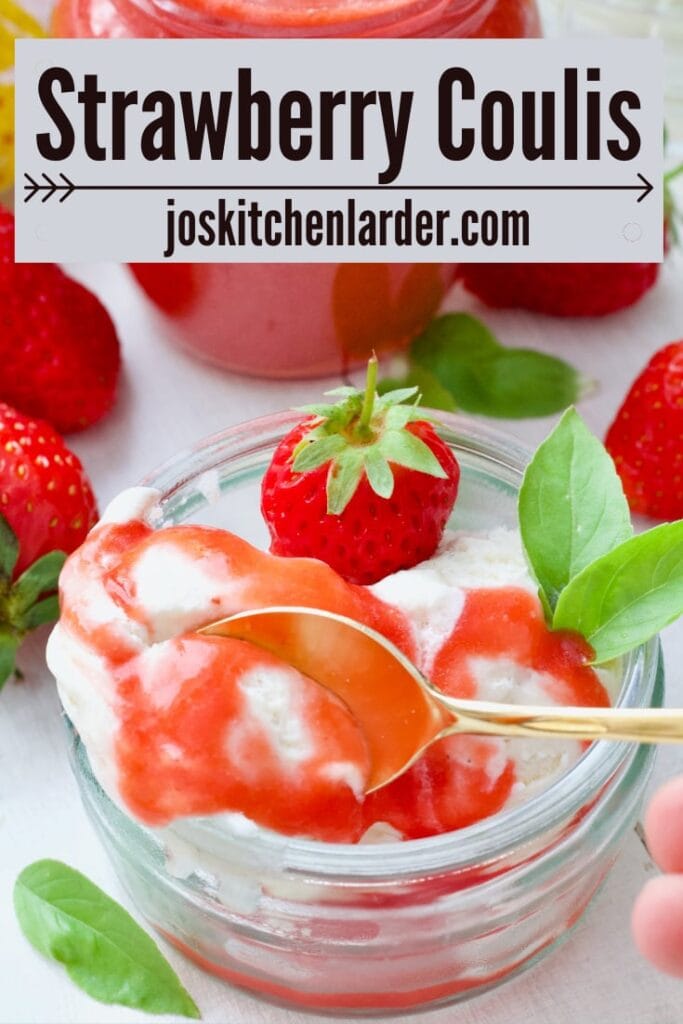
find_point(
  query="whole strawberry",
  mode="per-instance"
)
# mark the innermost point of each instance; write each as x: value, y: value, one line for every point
x: 646, y: 438
x: 560, y: 289
x: 366, y: 485
x: 46, y: 509
x: 571, y: 289
x: 58, y: 346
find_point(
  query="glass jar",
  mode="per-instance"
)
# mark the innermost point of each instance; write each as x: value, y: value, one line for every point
x: 289, y: 320
x: 650, y: 19
x: 375, y: 928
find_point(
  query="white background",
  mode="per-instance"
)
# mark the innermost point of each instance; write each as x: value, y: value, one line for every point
x: 168, y: 401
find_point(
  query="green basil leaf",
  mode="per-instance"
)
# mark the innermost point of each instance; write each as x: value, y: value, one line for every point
x: 485, y: 378
x: 105, y: 952
x: 432, y: 394
x: 626, y: 597
x: 39, y: 578
x: 571, y: 507
x: 516, y: 383
x: 450, y: 335
x: 9, y: 549
x: 445, y: 352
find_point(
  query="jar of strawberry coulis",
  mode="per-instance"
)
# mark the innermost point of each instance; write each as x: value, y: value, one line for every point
x: 403, y: 924
x: 290, y: 320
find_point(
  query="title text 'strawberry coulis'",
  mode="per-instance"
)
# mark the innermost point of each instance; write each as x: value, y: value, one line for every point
x: 295, y: 320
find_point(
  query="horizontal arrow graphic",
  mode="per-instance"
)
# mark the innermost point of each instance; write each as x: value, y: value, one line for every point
x: 51, y: 188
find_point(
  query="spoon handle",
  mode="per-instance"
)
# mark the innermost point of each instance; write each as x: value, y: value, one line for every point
x: 641, y: 725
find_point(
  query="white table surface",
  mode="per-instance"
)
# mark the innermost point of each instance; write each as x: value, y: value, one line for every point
x: 168, y: 401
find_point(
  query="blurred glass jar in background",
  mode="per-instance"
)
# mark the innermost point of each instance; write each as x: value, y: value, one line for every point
x: 653, y: 19
x: 15, y: 23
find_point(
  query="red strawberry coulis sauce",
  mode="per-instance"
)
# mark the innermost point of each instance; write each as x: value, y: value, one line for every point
x: 204, y: 725
x: 462, y: 779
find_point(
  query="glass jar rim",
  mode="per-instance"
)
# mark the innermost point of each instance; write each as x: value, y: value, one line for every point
x: 269, y: 18
x: 486, y: 840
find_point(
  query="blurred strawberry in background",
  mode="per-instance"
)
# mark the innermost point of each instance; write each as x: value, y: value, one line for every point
x: 59, y: 350
x: 560, y: 289
x: 46, y: 508
x: 646, y: 437
x: 570, y: 289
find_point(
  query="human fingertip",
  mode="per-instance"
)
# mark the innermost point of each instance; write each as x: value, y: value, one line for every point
x: 664, y: 826
x: 657, y: 923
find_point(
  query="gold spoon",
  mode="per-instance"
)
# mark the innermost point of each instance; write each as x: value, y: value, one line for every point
x: 399, y: 710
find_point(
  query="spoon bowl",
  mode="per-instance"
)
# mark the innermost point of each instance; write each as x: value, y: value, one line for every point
x: 399, y: 710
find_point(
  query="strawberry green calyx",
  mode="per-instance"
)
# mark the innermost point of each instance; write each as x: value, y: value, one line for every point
x: 25, y: 603
x: 365, y: 435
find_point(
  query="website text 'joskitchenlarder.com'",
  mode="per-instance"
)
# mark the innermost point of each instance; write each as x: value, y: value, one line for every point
x: 235, y: 223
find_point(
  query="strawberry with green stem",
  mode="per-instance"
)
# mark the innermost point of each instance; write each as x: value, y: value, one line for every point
x: 366, y: 485
x: 46, y: 509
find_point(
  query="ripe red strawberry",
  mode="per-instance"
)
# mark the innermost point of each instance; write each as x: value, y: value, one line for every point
x: 570, y: 289
x: 366, y: 485
x: 560, y: 289
x: 46, y: 509
x: 58, y: 346
x: 646, y: 438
